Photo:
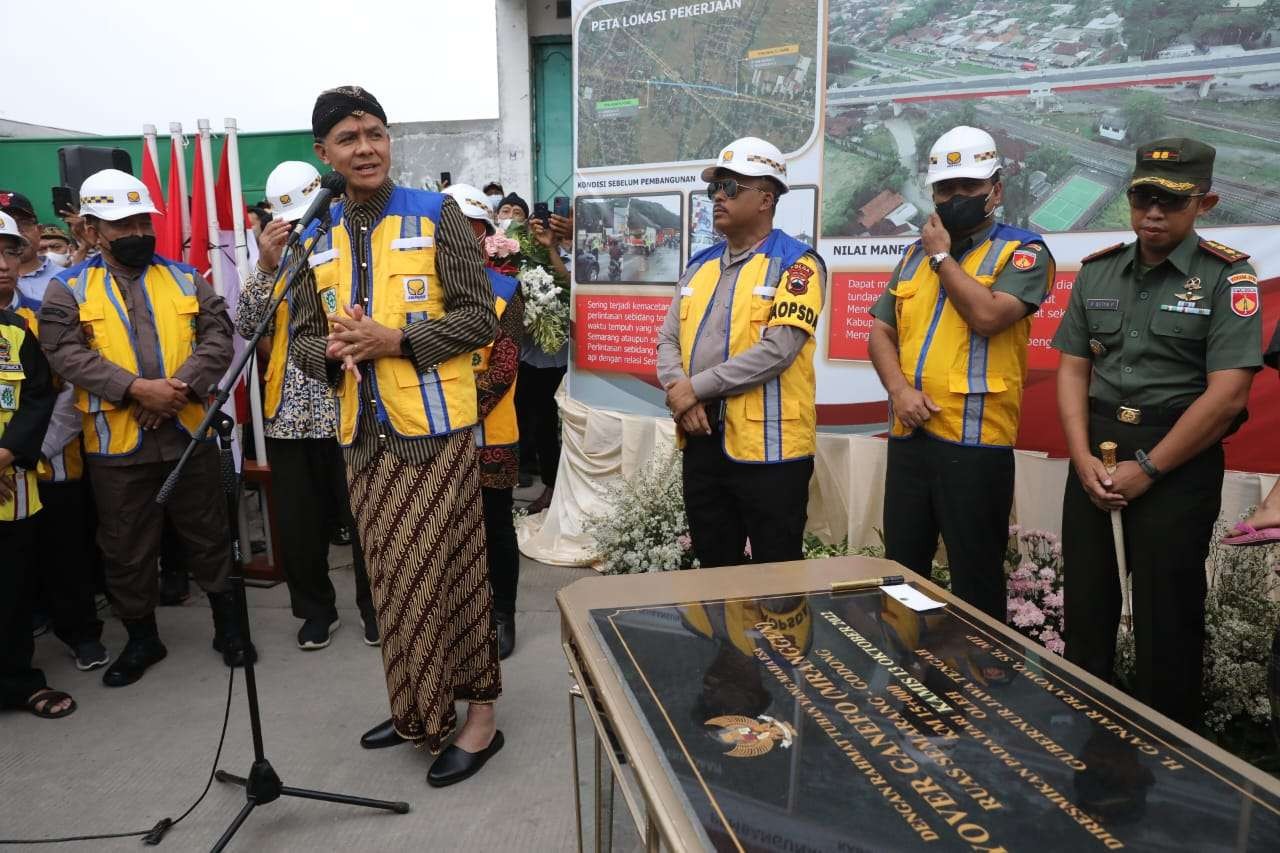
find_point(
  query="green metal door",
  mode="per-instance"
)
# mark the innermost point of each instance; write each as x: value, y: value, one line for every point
x: 552, y: 118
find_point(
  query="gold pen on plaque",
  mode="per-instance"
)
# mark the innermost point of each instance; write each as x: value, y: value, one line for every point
x: 866, y: 583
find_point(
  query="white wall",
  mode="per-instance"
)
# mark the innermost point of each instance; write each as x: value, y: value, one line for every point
x: 543, y: 20
x: 515, y: 119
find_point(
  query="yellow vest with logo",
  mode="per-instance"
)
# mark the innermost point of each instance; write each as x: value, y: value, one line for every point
x: 110, y: 429
x: 977, y: 381
x: 781, y: 284
x: 25, y: 500
x: 499, y: 428
x: 67, y: 465
x: 273, y: 380
x: 403, y: 289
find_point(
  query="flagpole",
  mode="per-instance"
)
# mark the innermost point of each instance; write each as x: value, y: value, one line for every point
x: 242, y: 264
x: 149, y: 138
x: 211, y: 206
x: 175, y: 138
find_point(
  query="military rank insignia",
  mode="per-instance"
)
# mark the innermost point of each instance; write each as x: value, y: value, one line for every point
x: 1023, y: 259
x: 1244, y: 301
x: 798, y: 279
x: 329, y: 297
x: 1097, y: 348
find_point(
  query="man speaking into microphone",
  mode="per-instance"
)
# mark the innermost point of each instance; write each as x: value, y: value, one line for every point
x: 397, y: 299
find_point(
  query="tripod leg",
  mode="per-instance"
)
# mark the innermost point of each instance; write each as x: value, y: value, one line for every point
x: 224, y: 776
x: 307, y: 794
x: 235, y: 824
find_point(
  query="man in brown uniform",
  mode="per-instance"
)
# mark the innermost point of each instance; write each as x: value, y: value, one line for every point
x: 144, y: 339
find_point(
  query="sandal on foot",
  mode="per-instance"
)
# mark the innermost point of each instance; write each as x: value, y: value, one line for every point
x: 1248, y: 535
x: 49, y: 698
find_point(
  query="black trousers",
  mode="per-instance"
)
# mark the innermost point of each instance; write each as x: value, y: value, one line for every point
x: 309, y: 479
x: 18, y: 679
x: 539, y: 419
x: 729, y: 502
x: 65, y: 561
x: 965, y: 494
x: 504, y: 555
x: 1167, y: 533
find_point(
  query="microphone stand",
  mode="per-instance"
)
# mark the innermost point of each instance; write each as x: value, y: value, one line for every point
x: 262, y: 785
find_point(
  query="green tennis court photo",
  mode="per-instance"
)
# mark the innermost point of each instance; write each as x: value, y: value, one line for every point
x: 1061, y: 210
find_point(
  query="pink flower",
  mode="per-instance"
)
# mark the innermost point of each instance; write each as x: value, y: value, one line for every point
x: 685, y: 541
x: 1054, y: 600
x: 1048, y: 574
x: 747, y: 550
x: 1027, y: 615
x: 1056, y: 646
x: 499, y: 245
x: 1014, y: 530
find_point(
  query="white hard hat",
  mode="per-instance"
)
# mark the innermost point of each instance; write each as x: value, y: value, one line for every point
x: 9, y: 228
x: 290, y: 187
x: 474, y: 204
x: 963, y: 152
x: 112, y: 195
x: 750, y: 157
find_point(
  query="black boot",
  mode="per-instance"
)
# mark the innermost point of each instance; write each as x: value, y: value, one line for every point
x: 143, y: 649
x: 228, y: 635
x: 505, y: 624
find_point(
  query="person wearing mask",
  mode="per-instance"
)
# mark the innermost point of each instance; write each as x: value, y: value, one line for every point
x: 735, y: 355
x: 498, y: 434
x: 306, y: 462
x: 1160, y: 344
x: 400, y: 279
x: 26, y: 404
x: 494, y: 193
x: 55, y: 245
x: 36, y: 269
x: 65, y: 564
x: 949, y: 343
x: 540, y: 376
x: 144, y: 339
x: 512, y: 210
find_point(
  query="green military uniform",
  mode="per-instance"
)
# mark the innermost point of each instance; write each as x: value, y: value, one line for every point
x: 1154, y: 335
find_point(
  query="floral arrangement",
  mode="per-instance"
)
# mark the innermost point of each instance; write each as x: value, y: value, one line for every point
x: 645, y: 528
x: 517, y: 252
x: 1241, y: 618
x: 1034, y: 577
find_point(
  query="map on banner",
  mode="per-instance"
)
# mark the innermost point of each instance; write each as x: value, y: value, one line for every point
x: 664, y: 82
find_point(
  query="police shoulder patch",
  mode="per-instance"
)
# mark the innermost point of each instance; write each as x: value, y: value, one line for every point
x: 1225, y: 253
x: 1102, y: 253
x: 797, y: 277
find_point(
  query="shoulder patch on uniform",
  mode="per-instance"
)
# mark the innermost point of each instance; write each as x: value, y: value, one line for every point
x: 1023, y: 259
x: 1244, y: 301
x: 1226, y: 253
x: 1242, y: 278
x: 797, y: 277
x: 1102, y: 253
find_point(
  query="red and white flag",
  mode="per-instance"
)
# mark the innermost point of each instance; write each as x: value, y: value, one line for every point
x: 169, y: 241
x: 198, y: 251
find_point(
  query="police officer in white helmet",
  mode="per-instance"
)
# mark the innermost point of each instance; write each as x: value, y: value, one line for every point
x: 949, y: 343
x: 144, y: 339
x: 299, y: 415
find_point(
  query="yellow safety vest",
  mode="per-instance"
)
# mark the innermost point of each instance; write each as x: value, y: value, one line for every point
x: 782, y: 284
x: 25, y: 501
x: 499, y: 428
x: 67, y: 465
x: 403, y: 289
x: 274, y: 377
x: 977, y: 381
x: 110, y: 429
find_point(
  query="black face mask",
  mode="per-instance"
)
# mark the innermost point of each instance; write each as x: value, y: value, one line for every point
x: 134, y: 250
x: 960, y: 214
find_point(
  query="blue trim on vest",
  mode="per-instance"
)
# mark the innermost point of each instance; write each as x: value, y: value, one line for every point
x: 911, y: 261
x: 778, y: 244
x: 1011, y: 232
x: 410, y: 226
x: 504, y: 286
x: 409, y: 202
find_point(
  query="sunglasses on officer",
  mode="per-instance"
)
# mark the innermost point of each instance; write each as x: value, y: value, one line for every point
x: 1141, y: 198
x: 731, y: 188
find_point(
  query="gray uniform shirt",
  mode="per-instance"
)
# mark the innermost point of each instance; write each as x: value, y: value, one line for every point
x: 712, y: 375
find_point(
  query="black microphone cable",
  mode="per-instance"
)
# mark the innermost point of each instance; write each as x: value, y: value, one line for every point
x: 155, y: 834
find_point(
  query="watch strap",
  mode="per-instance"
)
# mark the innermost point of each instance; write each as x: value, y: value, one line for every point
x: 1145, y: 463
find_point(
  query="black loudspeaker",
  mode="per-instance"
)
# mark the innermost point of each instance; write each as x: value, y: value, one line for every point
x: 77, y: 162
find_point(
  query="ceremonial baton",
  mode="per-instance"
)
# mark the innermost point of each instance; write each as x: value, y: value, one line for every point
x: 1108, y: 449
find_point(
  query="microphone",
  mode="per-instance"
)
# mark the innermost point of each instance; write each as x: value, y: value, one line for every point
x: 332, y: 184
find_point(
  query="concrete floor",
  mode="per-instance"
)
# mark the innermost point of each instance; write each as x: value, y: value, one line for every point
x: 130, y: 756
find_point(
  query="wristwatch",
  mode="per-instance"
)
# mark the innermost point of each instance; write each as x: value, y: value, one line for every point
x: 1148, y: 467
x: 935, y: 261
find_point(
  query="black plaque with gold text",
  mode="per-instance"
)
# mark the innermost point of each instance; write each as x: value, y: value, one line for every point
x: 850, y: 723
